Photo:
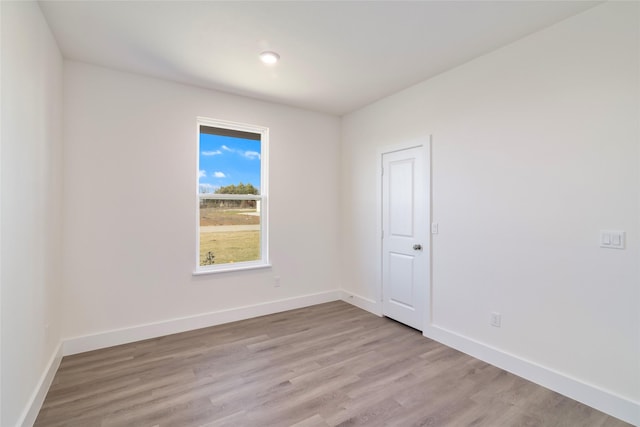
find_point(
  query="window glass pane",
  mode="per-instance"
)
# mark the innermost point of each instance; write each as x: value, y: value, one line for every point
x: 229, y: 231
x: 229, y: 164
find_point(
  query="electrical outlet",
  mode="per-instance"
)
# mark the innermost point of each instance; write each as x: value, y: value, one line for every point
x: 496, y: 319
x: 276, y: 281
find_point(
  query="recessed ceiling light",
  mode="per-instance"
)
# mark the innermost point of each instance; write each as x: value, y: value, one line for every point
x: 269, y: 58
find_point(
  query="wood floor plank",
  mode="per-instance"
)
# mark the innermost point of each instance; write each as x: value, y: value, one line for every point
x: 327, y: 365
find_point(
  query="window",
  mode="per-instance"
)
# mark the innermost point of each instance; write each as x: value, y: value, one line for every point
x: 231, y: 196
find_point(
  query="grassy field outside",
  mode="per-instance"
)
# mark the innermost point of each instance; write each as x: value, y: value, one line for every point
x: 217, y: 216
x: 229, y: 246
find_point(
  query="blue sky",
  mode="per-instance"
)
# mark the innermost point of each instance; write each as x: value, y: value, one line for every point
x: 226, y: 160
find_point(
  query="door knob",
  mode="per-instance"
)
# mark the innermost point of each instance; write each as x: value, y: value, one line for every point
x: 417, y: 247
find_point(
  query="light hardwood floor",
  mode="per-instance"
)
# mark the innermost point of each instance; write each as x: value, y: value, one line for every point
x: 327, y: 365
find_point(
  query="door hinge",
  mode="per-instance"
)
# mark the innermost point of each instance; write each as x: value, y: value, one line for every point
x: 382, y: 172
x: 382, y: 237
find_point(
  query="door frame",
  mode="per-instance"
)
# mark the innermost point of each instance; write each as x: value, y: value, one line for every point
x: 425, y: 143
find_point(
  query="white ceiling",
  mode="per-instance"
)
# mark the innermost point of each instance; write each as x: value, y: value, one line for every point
x: 337, y: 56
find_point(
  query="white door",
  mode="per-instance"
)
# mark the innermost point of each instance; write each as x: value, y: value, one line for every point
x: 405, y: 237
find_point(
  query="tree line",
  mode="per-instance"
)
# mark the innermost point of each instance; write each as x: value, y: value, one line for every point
x: 237, y: 189
x: 232, y: 189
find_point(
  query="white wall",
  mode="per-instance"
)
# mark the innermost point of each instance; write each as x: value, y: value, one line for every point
x: 535, y: 149
x: 31, y: 205
x: 129, y: 203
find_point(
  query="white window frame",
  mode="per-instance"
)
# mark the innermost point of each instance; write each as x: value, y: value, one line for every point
x: 263, y: 198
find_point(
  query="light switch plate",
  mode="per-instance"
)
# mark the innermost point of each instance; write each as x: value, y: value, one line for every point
x: 612, y: 239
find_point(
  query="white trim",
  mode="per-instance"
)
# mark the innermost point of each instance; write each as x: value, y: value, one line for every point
x: 263, y: 197
x: 30, y: 413
x: 214, y: 196
x: 227, y: 124
x: 425, y: 143
x: 166, y: 327
x: 591, y: 395
x: 228, y: 268
x: 367, y: 304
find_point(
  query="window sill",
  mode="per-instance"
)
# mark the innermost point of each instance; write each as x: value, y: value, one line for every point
x: 230, y: 269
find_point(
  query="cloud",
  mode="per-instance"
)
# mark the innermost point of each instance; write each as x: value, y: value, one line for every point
x: 219, y: 174
x: 251, y: 155
x: 202, y: 174
x: 211, y: 153
x: 207, y: 188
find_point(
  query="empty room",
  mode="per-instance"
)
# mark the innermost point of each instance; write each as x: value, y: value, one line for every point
x: 320, y: 213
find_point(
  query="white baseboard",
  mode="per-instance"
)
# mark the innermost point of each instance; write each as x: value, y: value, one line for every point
x: 166, y: 327
x: 30, y: 413
x: 362, y: 302
x: 602, y: 400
